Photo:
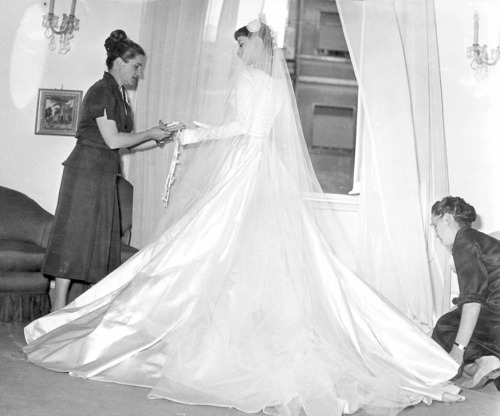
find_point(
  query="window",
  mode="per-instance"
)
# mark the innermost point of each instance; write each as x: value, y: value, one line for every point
x: 331, y: 41
x: 332, y: 147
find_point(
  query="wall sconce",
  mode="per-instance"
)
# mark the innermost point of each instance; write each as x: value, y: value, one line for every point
x: 479, y: 54
x: 69, y: 25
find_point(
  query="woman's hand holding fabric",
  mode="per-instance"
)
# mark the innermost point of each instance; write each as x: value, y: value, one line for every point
x: 159, y: 134
x: 169, y: 129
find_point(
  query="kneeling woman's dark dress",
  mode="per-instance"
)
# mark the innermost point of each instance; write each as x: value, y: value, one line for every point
x: 477, y: 261
x: 85, y: 242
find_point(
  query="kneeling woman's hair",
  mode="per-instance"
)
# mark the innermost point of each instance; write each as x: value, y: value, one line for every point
x: 462, y: 212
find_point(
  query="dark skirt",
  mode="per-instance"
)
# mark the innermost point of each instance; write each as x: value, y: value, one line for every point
x: 85, y: 240
x: 485, y: 338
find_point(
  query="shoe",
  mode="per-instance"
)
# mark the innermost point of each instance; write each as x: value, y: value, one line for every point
x: 488, y: 368
x: 459, y: 374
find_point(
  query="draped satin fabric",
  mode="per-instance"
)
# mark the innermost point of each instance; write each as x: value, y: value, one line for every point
x: 233, y: 307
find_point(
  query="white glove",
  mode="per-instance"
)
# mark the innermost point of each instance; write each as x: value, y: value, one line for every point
x: 187, y: 136
x: 190, y: 136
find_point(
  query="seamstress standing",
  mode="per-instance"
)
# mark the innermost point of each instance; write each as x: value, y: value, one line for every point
x: 85, y: 241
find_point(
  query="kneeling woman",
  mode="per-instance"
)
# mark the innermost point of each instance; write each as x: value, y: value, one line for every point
x: 471, y: 331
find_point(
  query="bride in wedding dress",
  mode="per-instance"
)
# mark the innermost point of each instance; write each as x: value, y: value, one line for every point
x: 239, y: 301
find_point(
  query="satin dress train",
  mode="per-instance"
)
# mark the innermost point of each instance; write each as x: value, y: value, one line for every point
x: 234, y: 307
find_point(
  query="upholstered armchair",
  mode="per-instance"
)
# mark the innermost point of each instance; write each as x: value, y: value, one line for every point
x: 24, y: 232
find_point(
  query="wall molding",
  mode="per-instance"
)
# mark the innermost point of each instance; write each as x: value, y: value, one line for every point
x: 308, y: 79
x: 334, y: 202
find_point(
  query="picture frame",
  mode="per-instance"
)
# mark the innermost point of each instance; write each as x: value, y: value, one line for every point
x: 57, y: 112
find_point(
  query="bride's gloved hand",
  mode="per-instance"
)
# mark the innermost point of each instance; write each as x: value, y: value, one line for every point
x: 191, y: 136
x: 188, y: 137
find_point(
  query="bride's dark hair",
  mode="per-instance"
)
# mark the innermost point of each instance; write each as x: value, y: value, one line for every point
x: 117, y: 45
x: 242, y: 31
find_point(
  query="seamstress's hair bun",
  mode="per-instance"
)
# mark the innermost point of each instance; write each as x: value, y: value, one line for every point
x: 114, y: 38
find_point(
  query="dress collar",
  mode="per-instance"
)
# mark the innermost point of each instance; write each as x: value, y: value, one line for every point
x: 110, y: 80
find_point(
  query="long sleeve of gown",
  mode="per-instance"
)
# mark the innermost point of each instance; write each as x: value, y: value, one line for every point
x: 243, y: 107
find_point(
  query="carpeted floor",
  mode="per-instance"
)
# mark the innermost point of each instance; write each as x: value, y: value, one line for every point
x: 27, y: 390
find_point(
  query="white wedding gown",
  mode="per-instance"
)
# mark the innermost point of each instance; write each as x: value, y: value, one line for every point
x: 242, y: 303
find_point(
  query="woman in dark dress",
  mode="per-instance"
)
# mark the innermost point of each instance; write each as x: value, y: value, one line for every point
x: 471, y: 331
x: 85, y: 242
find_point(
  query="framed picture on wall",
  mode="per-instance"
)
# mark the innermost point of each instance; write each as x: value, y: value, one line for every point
x: 57, y: 112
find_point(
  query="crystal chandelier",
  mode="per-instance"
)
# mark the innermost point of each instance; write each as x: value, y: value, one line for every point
x: 69, y: 25
x: 479, y: 54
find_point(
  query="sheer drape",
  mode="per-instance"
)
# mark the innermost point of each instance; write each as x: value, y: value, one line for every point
x: 420, y: 44
x: 171, y: 34
x: 403, y: 153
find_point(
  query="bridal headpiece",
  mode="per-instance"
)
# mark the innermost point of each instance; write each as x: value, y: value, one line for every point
x: 256, y: 24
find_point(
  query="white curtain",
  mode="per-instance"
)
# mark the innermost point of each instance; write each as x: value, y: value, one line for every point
x: 171, y: 34
x: 393, y: 45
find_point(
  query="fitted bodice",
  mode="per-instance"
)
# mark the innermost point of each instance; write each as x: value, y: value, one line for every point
x: 257, y: 119
x: 252, y: 107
